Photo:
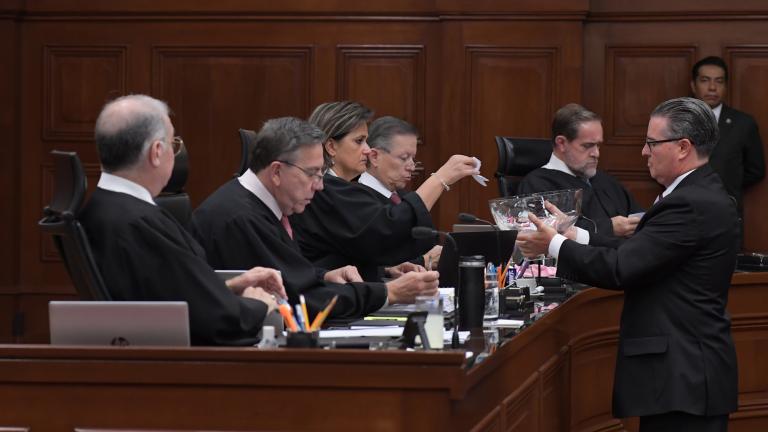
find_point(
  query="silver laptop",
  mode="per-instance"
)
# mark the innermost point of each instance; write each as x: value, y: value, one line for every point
x: 119, y: 323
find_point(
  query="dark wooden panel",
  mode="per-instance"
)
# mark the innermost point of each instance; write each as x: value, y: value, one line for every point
x: 78, y: 81
x: 522, y: 410
x: 10, y: 90
x: 391, y: 79
x: 213, y: 91
x: 7, y: 314
x: 630, y: 98
x: 491, y: 422
x: 34, y: 312
x: 592, y: 355
x: 510, y: 91
x: 555, y: 390
x: 748, y: 73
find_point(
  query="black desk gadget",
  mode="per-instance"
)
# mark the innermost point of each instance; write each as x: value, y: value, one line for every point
x: 474, y: 243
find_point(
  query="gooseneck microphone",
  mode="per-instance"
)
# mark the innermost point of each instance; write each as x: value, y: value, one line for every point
x: 425, y: 233
x: 470, y: 218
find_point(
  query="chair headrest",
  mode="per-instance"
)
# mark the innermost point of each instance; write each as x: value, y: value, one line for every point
x: 247, y: 141
x: 70, y: 184
x: 519, y: 156
x: 179, y: 174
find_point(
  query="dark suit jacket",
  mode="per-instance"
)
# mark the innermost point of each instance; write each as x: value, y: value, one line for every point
x: 675, y: 348
x: 738, y: 156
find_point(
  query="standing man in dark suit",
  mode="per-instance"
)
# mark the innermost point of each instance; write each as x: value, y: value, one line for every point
x: 738, y: 156
x: 676, y: 362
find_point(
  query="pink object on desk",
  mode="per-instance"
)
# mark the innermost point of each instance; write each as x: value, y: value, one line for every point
x: 533, y: 271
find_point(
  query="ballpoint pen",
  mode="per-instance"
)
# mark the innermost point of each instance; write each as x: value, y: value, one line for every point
x: 523, y: 268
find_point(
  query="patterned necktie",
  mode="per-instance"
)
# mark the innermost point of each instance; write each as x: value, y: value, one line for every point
x: 287, y: 226
x: 395, y: 198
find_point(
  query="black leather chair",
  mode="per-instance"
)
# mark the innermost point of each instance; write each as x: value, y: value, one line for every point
x: 518, y: 157
x: 174, y: 197
x: 60, y: 220
x: 247, y: 141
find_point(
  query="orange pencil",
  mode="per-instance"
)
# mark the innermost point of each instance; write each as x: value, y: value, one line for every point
x: 285, y: 311
x: 323, y: 315
x: 303, y: 302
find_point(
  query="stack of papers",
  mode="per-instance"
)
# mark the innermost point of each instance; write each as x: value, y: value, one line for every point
x: 393, y: 331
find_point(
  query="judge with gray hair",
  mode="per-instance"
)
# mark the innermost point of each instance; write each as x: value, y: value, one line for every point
x: 142, y: 251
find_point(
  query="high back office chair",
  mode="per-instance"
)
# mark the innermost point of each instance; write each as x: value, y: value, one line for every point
x: 247, y: 141
x: 518, y: 157
x: 60, y: 220
x: 174, y: 197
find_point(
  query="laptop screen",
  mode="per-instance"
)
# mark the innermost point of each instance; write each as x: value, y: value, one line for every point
x: 119, y: 323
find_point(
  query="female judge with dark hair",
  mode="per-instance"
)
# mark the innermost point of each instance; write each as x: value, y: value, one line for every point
x: 346, y: 223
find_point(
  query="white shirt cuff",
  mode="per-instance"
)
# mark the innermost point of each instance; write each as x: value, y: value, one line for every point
x: 582, y: 236
x: 554, y: 245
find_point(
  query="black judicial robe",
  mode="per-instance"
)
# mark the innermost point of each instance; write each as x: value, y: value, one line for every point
x: 144, y: 254
x: 605, y: 198
x: 348, y: 223
x: 238, y: 231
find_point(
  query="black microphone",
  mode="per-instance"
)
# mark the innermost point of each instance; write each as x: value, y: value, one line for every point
x: 425, y: 233
x: 470, y: 218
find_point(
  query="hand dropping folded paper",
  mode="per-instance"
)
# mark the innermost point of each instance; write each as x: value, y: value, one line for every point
x: 479, y: 178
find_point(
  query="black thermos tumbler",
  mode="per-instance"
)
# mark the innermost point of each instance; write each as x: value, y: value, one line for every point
x: 471, y: 291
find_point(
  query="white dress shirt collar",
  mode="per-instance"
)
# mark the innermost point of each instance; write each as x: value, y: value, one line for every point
x: 375, y: 184
x: 119, y: 184
x: 677, y: 181
x: 717, y: 110
x: 332, y: 172
x: 558, y: 165
x: 251, y: 181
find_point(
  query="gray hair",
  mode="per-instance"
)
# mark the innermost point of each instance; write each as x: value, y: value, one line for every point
x: 690, y: 118
x: 281, y: 139
x: 568, y: 119
x: 126, y: 127
x: 383, y: 129
x: 337, y: 119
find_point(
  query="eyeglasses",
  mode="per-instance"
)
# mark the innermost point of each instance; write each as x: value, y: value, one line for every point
x: 403, y: 159
x: 315, y: 175
x: 176, y: 145
x: 652, y: 143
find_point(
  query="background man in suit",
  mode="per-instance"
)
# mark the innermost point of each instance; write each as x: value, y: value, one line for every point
x: 142, y: 251
x: 577, y: 134
x: 738, y: 155
x: 245, y: 223
x: 676, y: 363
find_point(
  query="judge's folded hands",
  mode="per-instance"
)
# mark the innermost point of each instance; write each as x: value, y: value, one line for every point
x: 343, y: 275
x: 405, y: 288
x: 403, y: 268
x: 261, y: 295
x: 267, y: 279
x: 535, y: 243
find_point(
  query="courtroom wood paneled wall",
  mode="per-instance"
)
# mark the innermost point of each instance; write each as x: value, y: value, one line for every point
x: 462, y: 71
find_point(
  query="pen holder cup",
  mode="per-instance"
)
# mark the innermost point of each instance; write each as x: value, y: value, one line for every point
x: 302, y: 339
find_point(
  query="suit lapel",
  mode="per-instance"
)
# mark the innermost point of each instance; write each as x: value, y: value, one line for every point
x: 725, y: 126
